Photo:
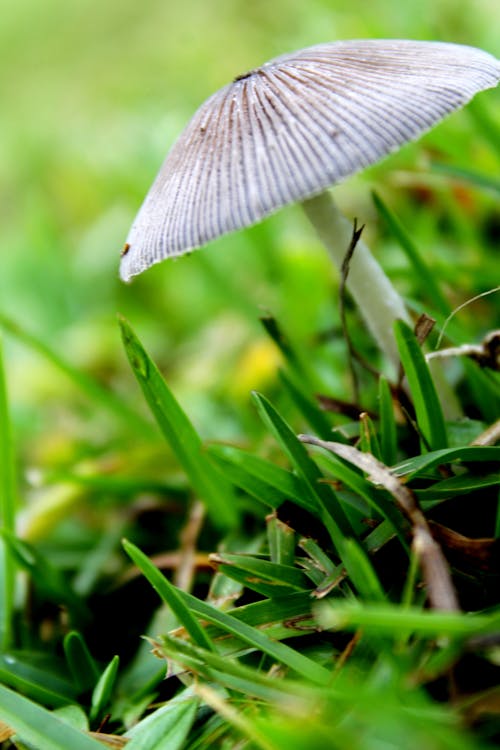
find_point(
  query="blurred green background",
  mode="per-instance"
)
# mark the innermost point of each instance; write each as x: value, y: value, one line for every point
x: 92, y: 96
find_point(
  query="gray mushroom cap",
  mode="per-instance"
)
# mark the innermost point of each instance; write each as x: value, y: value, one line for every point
x: 293, y: 127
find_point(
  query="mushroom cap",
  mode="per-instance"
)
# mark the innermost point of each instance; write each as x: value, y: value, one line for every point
x: 293, y: 127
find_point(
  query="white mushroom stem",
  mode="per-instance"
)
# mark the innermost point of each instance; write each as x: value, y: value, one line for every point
x: 378, y: 301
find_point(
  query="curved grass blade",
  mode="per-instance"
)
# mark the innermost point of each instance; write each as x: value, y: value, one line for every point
x: 7, y: 514
x: 169, y: 594
x: 422, y: 464
x: 179, y: 432
x: 102, y: 692
x: 430, y: 418
x: 105, y: 398
x: 41, y: 728
x: 228, y: 672
x: 166, y: 728
x: 80, y: 662
x: 36, y: 676
x: 332, y: 512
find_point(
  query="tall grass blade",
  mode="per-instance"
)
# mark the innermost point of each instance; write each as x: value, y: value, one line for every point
x: 179, y: 432
x: 41, y: 728
x: 169, y: 594
x: 332, y: 513
x: 7, y: 514
x: 426, y: 277
x: 428, y: 410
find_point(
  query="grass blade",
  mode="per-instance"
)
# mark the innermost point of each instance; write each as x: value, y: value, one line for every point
x: 316, y: 419
x: 265, y: 481
x: 361, y: 572
x: 180, y: 434
x: 388, y: 433
x: 39, y: 727
x: 332, y: 513
x: 422, y: 271
x: 102, y: 692
x: 167, y: 727
x: 7, y: 514
x: 169, y: 594
x: 80, y: 662
x: 37, y: 676
x: 47, y: 577
x: 424, y: 463
x: 393, y: 620
x: 430, y: 418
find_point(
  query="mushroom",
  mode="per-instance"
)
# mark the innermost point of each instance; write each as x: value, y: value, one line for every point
x: 290, y: 129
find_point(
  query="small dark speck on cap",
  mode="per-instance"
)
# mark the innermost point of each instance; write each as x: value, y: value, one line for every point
x: 125, y: 250
x: 242, y: 77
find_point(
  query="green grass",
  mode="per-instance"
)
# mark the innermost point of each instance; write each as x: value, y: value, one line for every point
x: 270, y: 594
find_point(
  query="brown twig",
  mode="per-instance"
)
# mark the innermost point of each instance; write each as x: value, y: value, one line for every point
x: 434, y: 567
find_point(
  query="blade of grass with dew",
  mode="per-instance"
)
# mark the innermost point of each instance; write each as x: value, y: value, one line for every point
x: 426, y: 277
x: 39, y: 678
x: 428, y: 411
x: 262, y: 479
x: 250, y: 635
x: 387, y: 423
x: 80, y: 662
x: 166, y: 728
x: 101, y: 695
x: 105, y: 398
x: 179, y: 432
x: 169, y: 594
x: 332, y: 513
x: 41, y: 728
x: 7, y: 514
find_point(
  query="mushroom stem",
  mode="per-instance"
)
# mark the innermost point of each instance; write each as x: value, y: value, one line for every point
x: 378, y: 301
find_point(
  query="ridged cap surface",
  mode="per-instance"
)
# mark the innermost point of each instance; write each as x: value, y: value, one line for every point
x: 291, y: 128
